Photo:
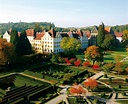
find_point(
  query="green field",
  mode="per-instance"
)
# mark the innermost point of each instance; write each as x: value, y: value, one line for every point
x: 110, y: 55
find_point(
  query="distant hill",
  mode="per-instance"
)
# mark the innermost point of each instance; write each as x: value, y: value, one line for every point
x: 23, y: 26
x: 40, y: 26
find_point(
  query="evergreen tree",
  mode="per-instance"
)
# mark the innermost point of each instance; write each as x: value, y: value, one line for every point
x: 14, y: 39
x: 101, y: 35
x: 25, y: 44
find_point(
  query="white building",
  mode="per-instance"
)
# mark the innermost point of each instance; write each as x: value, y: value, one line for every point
x: 6, y: 36
x: 50, y: 41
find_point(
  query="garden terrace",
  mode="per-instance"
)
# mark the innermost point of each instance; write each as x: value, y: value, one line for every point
x: 23, y: 93
x: 60, y: 73
x: 77, y: 100
x: 7, y: 81
x: 23, y: 88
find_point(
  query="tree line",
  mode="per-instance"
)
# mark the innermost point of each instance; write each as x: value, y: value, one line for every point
x: 40, y: 26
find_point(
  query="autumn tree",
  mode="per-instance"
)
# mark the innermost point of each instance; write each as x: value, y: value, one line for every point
x: 15, y: 40
x: 101, y: 35
x: 70, y: 45
x: 6, y: 52
x: 118, y: 58
x: 91, y: 83
x: 93, y: 53
x: 25, y: 45
x: 77, y: 89
x: 119, y: 67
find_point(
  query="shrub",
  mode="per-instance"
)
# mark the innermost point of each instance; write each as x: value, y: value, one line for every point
x: 108, y: 67
x: 86, y: 64
x: 72, y: 60
x: 103, y: 94
x: 95, y: 67
x: 105, y: 76
x: 61, y: 60
x: 110, y: 80
x: 119, y: 86
x: 123, y: 93
x: 126, y: 79
x: 77, y: 63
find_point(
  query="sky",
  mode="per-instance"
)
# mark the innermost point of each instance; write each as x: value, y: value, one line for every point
x: 65, y: 13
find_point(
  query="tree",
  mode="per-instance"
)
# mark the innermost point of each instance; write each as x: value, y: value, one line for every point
x: 118, y: 58
x: 93, y: 53
x: 37, y: 27
x: 91, y: 83
x: 26, y: 48
x: 110, y: 42
x: 15, y: 40
x: 70, y: 45
x: 125, y: 37
x: 77, y: 89
x: 119, y: 67
x: 101, y: 35
x: 6, y: 52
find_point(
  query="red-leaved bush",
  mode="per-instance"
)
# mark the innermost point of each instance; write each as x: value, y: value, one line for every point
x: 72, y: 60
x: 95, y: 67
x: 86, y: 64
x: 77, y: 63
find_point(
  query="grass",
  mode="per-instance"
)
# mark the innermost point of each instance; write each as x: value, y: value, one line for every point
x: 110, y: 56
x: 22, y: 80
x: 80, y: 56
x: 122, y: 101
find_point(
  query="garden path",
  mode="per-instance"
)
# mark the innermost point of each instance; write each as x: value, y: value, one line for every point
x: 35, y: 77
x: 98, y: 75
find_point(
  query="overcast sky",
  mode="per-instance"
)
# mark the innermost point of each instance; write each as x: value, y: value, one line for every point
x: 65, y: 13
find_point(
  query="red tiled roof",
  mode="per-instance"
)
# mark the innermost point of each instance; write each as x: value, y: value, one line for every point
x: 107, y: 30
x: 118, y: 34
x: 30, y: 32
x: 39, y: 35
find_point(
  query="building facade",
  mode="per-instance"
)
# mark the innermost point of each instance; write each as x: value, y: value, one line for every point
x: 48, y: 42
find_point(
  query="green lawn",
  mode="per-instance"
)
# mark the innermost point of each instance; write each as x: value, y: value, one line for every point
x: 110, y: 56
x: 122, y: 101
x: 22, y: 80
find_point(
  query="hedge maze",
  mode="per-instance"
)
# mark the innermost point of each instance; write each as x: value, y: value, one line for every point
x: 22, y: 94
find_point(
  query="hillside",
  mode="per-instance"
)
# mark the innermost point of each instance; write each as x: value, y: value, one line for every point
x: 40, y: 26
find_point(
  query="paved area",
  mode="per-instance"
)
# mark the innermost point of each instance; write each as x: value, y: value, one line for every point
x: 58, y: 99
x: 98, y: 75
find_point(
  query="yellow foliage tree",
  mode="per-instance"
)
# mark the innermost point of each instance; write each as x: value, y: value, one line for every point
x: 70, y: 44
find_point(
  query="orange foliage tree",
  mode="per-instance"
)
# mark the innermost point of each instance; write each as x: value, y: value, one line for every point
x: 6, y: 52
x: 93, y: 53
x: 77, y: 89
x: 91, y: 83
